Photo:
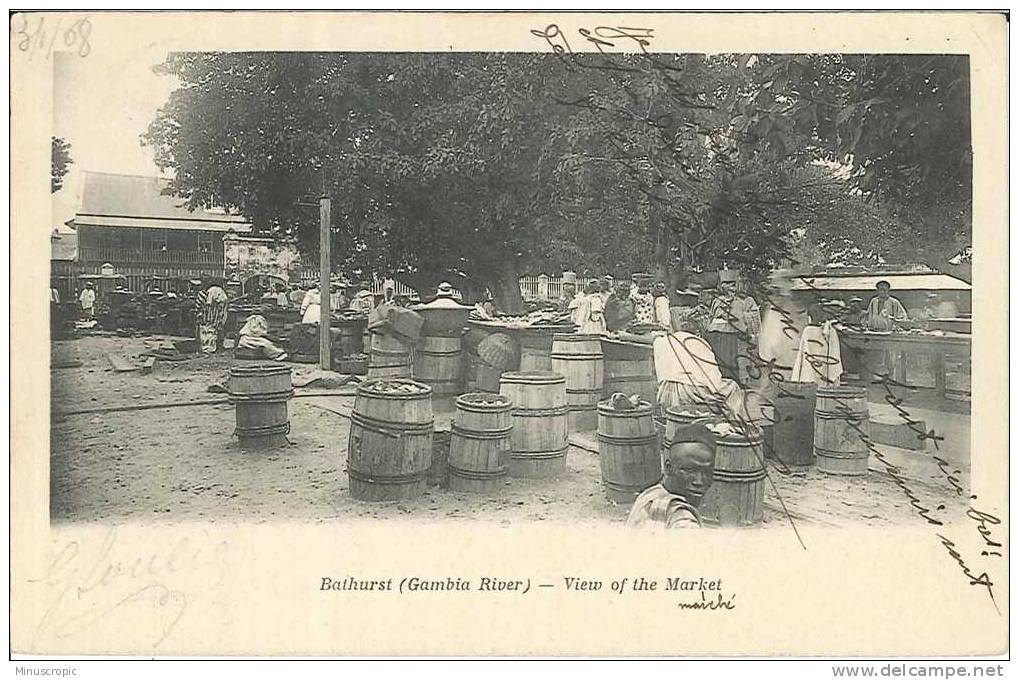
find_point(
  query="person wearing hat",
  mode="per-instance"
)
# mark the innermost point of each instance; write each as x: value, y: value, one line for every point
x: 884, y: 310
x: 568, y: 299
x: 689, y: 312
x: 87, y: 299
x: 589, y: 314
x: 363, y: 300
x: 607, y: 287
x: 688, y: 470
x: 688, y: 373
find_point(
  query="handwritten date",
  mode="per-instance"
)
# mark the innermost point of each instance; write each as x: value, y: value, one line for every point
x: 40, y: 37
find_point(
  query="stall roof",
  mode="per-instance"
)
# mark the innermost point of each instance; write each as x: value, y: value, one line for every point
x: 868, y: 282
x: 114, y: 200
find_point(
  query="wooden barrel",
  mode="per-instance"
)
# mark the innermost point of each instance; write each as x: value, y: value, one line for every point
x: 438, y: 471
x: 389, y: 358
x: 736, y: 498
x: 681, y: 416
x: 630, y: 369
x: 479, y: 452
x: 260, y: 393
x: 540, y: 430
x: 351, y: 335
x: 390, y: 449
x: 437, y: 364
x: 578, y: 358
x: 794, y: 423
x: 842, y: 430
x: 628, y: 451
x: 535, y: 350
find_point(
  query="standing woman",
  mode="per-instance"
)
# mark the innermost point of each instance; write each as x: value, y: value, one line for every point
x: 212, y: 318
x: 591, y: 310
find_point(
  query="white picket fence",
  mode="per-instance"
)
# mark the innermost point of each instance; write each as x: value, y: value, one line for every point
x: 544, y: 287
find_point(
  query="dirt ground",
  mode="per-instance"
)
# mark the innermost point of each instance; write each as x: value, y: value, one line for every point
x: 184, y: 464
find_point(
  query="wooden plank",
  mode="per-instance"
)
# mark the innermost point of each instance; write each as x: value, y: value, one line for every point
x: 119, y: 363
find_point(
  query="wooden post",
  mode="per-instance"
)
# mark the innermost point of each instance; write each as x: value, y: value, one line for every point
x: 325, y: 320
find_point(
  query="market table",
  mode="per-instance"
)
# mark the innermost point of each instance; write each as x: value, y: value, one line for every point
x: 934, y: 344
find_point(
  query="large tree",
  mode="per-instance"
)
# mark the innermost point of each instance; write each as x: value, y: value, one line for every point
x: 901, y: 125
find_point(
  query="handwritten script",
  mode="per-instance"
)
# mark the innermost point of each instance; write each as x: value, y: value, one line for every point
x: 87, y: 584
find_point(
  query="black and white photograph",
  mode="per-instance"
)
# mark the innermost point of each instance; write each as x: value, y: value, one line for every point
x: 596, y: 284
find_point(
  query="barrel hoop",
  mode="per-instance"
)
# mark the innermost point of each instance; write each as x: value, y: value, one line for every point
x: 612, y: 439
x: 541, y: 412
x: 576, y: 357
x: 627, y: 378
x: 853, y: 455
x: 583, y: 407
x: 264, y: 431
x: 387, y: 480
x: 387, y: 427
x: 539, y: 455
x: 589, y: 391
x: 434, y: 353
x: 625, y: 488
x: 469, y: 433
x: 605, y: 408
x: 260, y: 397
x: 478, y: 474
x: 550, y: 379
x: 851, y: 416
x: 739, y: 476
x: 259, y: 370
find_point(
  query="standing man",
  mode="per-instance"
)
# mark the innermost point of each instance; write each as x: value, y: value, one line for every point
x: 726, y: 322
x: 212, y: 319
x: 607, y: 286
x: 363, y: 300
x: 619, y: 308
x: 884, y: 310
x: 566, y: 300
x: 687, y: 473
x: 88, y: 302
x: 663, y: 317
x: 311, y: 306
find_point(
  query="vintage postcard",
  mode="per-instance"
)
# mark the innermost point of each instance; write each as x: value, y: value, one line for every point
x: 663, y: 334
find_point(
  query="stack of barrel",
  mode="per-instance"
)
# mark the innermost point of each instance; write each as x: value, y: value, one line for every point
x: 260, y: 393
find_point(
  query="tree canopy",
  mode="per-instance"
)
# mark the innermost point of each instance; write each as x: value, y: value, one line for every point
x: 486, y: 165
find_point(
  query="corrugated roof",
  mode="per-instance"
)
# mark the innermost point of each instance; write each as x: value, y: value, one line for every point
x: 63, y: 246
x: 109, y: 199
x: 868, y: 282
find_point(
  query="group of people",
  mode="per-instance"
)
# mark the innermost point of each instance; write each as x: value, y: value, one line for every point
x: 796, y: 338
